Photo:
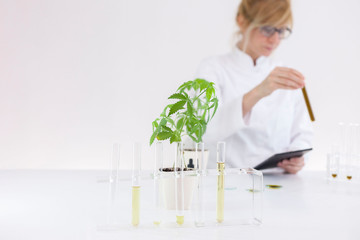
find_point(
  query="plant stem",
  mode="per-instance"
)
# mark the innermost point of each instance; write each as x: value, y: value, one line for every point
x: 200, y: 95
x: 182, y: 127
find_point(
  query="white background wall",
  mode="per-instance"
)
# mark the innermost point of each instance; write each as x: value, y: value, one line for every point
x: 76, y: 76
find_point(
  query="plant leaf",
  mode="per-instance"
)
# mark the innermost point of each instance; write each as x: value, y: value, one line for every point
x: 175, y: 138
x: 164, y: 135
x: 176, y: 107
x: 198, y: 134
x: 195, y: 85
x: 167, y: 129
x: 208, y: 94
x: 163, y: 122
x: 170, y: 121
x: 203, y: 84
x: 177, y: 96
x: 194, y: 139
x: 157, y: 130
x: 203, y: 127
x: 184, y: 86
x: 216, y: 102
x: 155, y: 124
x: 152, y: 138
x: 180, y: 123
x: 190, y: 108
x: 163, y: 114
x: 192, y: 119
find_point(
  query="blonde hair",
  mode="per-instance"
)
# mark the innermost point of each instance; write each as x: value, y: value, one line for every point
x: 266, y: 12
x: 257, y: 13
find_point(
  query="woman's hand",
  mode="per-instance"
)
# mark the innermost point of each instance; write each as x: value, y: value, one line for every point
x: 293, y: 165
x: 281, y: 78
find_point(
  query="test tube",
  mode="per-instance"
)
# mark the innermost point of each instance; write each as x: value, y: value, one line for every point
x: 113, y: 183
x: 220, y: 182
x: 179, y: 184
x: 352, y: 150
x: 343, y: 147
x: 308, y: 106
x: 333, y: 163
x: 136, y: 185
x: 341, y: 137
x: 357, y: 139
x: 357, y: 148
x: 200, y: 167
x: 158, y: 165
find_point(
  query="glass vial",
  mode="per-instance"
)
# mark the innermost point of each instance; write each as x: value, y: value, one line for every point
x: 159, y: 156
x: 201, y: 169
x: 136, y: 185
x: 113, y: 184
x: 179, y: 183
x: 220, y: 182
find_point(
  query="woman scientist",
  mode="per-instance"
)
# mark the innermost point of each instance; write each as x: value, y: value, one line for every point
x: 261, y: 109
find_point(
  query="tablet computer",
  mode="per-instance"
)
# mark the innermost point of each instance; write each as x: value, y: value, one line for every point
x: 275, y: 159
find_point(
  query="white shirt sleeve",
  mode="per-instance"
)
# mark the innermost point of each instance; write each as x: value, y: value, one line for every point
x: 302, y: 129
x: 228, y: 118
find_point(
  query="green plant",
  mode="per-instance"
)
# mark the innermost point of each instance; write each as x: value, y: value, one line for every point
x: 196, y: 104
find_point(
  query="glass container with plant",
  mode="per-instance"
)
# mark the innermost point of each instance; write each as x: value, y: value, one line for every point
x: 194, y: 105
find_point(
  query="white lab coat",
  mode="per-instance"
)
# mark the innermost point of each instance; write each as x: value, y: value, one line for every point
x: 277, y: 123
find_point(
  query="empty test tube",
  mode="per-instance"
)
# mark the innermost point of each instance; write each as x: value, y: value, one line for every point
x: 200, y: 167
x: 113, y: 184
x: 158, y: 165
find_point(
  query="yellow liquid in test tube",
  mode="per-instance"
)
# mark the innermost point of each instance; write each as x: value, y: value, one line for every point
x: 135, y: 205
x: 220, y: 193
x: 180, y: 220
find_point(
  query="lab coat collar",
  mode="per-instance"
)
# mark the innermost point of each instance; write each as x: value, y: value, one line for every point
x: 246, y: 61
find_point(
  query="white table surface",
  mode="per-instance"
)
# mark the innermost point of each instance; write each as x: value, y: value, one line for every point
x: 42, y: 204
